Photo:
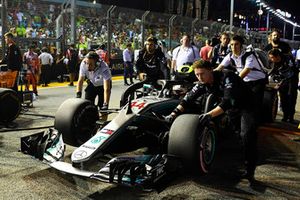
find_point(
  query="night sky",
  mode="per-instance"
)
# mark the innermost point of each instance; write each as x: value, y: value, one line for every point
x: 221, y: 9
x: 217, y: 6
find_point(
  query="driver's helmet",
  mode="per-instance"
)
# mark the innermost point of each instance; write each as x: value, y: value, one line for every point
x: 185, y: 69
x: 185, y: 72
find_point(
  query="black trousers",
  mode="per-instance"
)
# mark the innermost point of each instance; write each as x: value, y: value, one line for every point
x: 249, y: 138
x: 91, y: 92
x: 128, y: 71
x: 288, y: 97
x: 250, y: 120
x: 45, y: 74
x: 258, y: 89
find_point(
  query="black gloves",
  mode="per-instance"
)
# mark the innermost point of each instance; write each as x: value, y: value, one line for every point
x: 78, y: 94
x: 204, y: 119
x: 170, y: 118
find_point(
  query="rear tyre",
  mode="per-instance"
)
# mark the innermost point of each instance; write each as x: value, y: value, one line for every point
x: 193, y: 144
x: 76, y: 120
x: 10, y: 105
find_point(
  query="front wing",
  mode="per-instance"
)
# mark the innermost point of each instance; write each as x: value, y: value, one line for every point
x: 142, y: 170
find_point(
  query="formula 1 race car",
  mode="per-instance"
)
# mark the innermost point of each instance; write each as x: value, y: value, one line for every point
x: 139, y: 125
x: 138, y: 147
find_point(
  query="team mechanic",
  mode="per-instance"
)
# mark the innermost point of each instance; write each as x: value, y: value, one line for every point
x: 149, y: 61
x: 98, y: 76
x: 234, y: 94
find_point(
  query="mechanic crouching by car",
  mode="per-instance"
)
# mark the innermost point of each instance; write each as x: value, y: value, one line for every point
x: 285, y: 74
x: 98, y: 76
x: 234, y: 94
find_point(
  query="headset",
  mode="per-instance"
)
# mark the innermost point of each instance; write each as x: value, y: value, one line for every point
x: 93, y: 55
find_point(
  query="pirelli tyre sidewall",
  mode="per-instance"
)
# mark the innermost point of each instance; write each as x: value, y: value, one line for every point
x: 10, y: 105
x: 76, y: 120
x: 270, y: 105
x: 195, y: 146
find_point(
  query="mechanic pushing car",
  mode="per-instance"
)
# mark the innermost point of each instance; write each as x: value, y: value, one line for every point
x: 150, y: 61
x: 234, y: 93
x: 98, y: 76
x: 150, y: 65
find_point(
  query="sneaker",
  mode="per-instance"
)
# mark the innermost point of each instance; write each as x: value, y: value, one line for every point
x: 71, y: 84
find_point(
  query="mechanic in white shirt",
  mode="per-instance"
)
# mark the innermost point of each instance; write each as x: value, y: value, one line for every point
x: 185, y: 54
x: 46, y: 61
x: 249, y: 70
x: 128, y: 64
x: 98, y: 76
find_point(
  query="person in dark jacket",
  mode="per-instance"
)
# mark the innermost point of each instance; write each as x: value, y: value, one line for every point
x: 220, y: 50
x: 285, y: 73
x: 149, y: 69
x: 234, y: 94
x: 275, y: 42
x: 149, y: 61
x: 13, y: 57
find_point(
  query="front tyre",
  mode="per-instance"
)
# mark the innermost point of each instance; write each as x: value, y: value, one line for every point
x: 194, y: 145
x: 76, y: 120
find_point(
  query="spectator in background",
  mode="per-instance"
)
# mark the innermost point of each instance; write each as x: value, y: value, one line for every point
x: 204, y: 51
x: 13, y: 57
x: 46, y: 61
x: 128, y: 64
x: 72, y: 56
x: 31, y: 60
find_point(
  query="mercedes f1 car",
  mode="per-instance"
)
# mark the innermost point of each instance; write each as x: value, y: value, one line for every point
x: 156, y: 147
x: 139, y: 127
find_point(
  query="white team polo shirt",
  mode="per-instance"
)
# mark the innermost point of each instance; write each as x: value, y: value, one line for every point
x: 100, y: 73
x: 251, y: 63
x: 46, y: 58
x: 185, y: 55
